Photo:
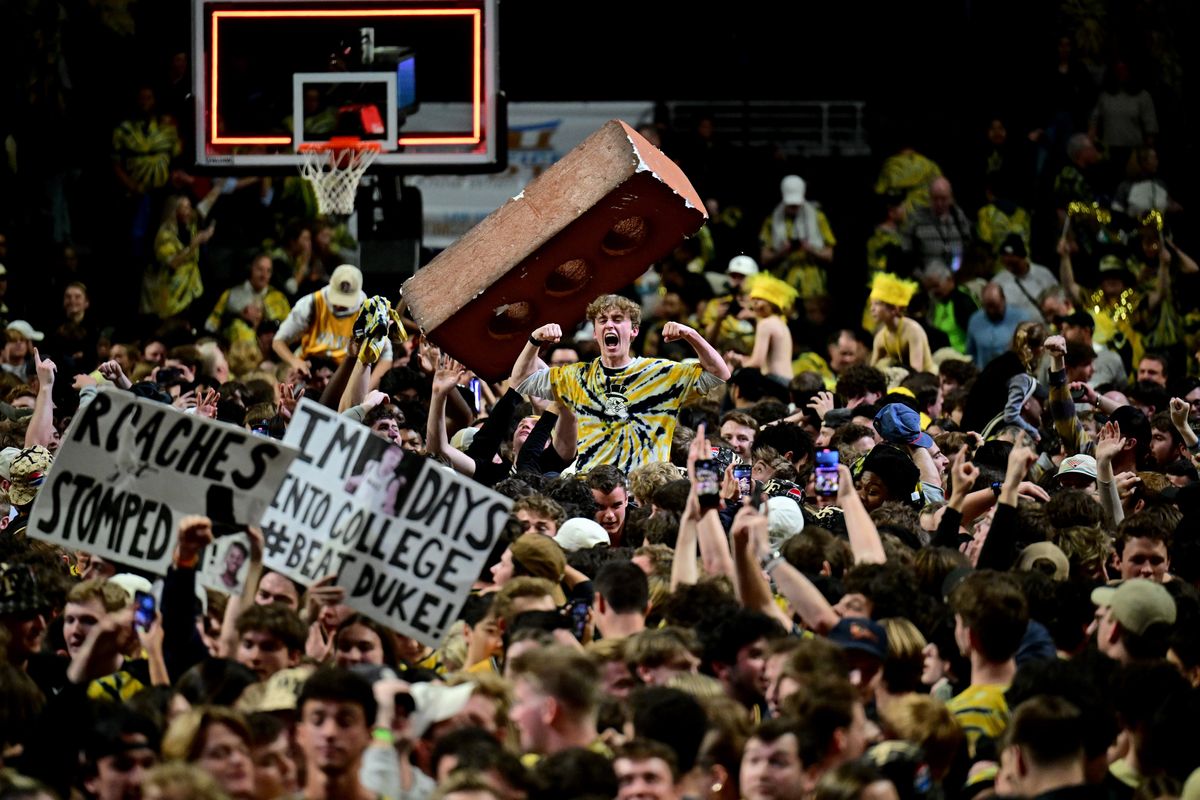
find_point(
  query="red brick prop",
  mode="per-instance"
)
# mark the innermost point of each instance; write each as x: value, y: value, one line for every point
x: 590, y: 224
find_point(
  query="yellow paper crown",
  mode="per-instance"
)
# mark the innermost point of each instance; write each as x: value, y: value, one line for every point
x: 769, y: 288
x: 893, y: 290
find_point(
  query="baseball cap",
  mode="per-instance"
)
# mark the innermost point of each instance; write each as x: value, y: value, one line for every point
x: 1137, y: 604
x: 1013, y: 245
x: 277, y: 693
x: 540, y: 556
x: 19, y: 591
x: 899, y: 424
x: 1078, y: 464
x: 954, y: 579
x: 860, y: 633
x: 27, y: 474
x: 132, y: 584
x: 580, y: 533
x: 776, y: 487
x: 345, y: 286
x: 435, y: 703
x: 25, y: 329
x: 792, y: 188
x: 1080, y: 319
x: 6, y: 458
x: 785, y: 519
x: 742, y: 265
x: 1191, y: 787
x: 1046, y: 552
x: 462, y: 438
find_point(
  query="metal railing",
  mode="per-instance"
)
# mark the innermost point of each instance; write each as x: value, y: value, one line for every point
x: 809, y: 128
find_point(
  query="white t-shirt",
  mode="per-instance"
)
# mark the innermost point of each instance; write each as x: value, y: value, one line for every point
x: 1023, y: 292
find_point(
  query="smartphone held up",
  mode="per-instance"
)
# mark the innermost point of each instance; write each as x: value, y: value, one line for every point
x: 827, y: 473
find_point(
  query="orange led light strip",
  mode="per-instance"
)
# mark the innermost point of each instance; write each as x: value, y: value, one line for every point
x: 477, y: 73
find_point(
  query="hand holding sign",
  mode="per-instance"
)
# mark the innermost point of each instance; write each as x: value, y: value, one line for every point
x: 318, y: 646
x: 323, y: 593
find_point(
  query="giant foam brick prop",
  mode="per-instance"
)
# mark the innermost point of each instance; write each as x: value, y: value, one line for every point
x: 588, y: 225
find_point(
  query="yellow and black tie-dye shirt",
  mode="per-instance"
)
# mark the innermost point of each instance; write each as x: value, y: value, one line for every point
x: 626, y: 416
x: 145, y: 149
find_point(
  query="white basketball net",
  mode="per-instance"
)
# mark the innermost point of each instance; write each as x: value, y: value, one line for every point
x: 334, y: 173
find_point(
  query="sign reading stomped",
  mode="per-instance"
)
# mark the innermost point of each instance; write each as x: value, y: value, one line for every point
x: 405, y: 536
x: 129, y: 469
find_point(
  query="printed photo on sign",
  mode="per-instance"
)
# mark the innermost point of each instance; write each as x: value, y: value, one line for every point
x: 129, y: 469
x: 226, y: 562
x: 381, y: 477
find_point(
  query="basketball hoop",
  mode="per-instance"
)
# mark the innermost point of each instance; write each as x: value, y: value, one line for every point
x: 334, y: 169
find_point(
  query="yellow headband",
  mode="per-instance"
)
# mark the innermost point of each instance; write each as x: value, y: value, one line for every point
x: 893, y: 290
x: 774, y: 291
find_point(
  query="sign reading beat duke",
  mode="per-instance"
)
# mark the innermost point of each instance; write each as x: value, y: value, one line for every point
x: 405, y: 536
x: 129, y: 469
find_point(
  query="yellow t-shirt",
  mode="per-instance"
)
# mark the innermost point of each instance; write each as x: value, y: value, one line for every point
x: 980, y: 710
x: 328, y: 335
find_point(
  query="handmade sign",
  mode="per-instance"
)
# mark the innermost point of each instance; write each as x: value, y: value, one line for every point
x: 129, y: 469
x: 405, y: 536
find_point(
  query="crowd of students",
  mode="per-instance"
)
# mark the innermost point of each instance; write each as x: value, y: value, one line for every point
x: 767, y: 541
x: 955, y: 608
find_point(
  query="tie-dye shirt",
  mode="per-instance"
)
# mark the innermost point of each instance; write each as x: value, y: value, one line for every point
x: 626, y: 416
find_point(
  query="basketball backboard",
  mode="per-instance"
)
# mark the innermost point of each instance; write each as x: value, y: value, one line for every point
x: 418, y: 77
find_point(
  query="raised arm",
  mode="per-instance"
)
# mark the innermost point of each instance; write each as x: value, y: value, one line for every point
x: 566, y: 433
x: 1162, y: 283
x: 356, y: 385
x: 999, y: 548
x: 1109, y: 443
x: 227, y: 643
x: 683, y: 567
x: 335, y: 389
x: 864, y: 536
x: 751, y: 555
x: 1187, y: 264
x: 710, y: 359
x: 1062, y: 406
x: 803, y: 597
x: 1066, y: 273
x: 714, y: 545
x: 527, y: 362
x: 41, y: 424
x: 445, y: 380
x: 111, y: 371
x: 1179, y: 418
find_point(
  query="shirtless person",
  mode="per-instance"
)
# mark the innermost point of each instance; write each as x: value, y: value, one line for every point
x: 380, y: 479
x: 898, y: 338
x: 770, y: 300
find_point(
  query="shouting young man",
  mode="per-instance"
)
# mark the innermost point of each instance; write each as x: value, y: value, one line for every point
x: 627, y: 407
